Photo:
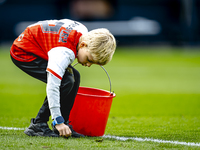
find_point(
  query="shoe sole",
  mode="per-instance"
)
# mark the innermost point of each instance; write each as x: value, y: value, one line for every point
x: 30, y: 132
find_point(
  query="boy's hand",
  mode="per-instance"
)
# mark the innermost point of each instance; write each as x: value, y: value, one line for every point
x: 63, y: 129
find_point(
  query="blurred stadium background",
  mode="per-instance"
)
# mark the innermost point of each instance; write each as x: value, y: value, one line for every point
x: 133, y: 22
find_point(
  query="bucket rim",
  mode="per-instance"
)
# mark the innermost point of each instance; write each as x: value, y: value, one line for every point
x: 110, y: 96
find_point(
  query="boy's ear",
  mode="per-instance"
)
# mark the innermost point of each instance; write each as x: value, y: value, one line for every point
x: 83, y: 44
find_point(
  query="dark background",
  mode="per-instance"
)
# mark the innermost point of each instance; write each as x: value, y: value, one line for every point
x: 178, y: 20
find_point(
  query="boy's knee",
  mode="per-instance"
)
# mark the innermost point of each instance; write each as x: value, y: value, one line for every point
x: 67, y: 83
x: 76, y: 75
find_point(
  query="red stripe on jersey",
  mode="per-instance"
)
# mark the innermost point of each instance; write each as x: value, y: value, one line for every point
x: 54, y: 73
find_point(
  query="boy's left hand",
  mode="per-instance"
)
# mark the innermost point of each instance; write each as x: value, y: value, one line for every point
x: 63, y: 129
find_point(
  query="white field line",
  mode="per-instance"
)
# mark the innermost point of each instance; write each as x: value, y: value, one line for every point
x: 150, y: 140
x: 11, y: 128
x: 127, y: 138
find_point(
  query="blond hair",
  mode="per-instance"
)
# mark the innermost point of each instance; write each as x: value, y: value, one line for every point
x: 101, y: 44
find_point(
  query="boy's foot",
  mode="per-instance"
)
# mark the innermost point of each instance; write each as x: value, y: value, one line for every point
x: 74, y: 133
x: 39, y: 129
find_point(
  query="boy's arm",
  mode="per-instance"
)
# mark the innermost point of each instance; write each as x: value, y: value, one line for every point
x: 53, y: 84
x: 53, y: 94
x: 59, y: 60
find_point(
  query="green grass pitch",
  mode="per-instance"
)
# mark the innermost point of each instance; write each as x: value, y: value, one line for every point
x: 157, y: 96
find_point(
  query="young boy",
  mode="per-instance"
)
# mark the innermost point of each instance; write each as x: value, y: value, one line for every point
x: 45, y: 51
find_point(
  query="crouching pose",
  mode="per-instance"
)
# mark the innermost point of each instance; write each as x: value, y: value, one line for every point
x: 46, y: 50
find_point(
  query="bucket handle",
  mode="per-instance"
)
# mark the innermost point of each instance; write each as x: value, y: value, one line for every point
x: 107, y: 76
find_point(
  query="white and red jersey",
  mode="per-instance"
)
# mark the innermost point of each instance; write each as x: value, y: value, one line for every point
x: 39, y: 38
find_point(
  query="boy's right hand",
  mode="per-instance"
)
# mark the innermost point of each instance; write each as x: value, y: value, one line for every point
x: 63, y: 129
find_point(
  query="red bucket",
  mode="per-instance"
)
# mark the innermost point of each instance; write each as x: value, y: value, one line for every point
x: 90, y: 111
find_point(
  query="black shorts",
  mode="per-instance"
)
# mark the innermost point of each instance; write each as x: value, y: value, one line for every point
x: 35, y: 68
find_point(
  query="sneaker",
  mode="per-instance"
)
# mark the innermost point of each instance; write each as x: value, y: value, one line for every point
x: 74, y: 133
x: 39, y: 129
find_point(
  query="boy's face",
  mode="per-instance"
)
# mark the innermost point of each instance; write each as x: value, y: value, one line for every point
x: 84, y: 57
